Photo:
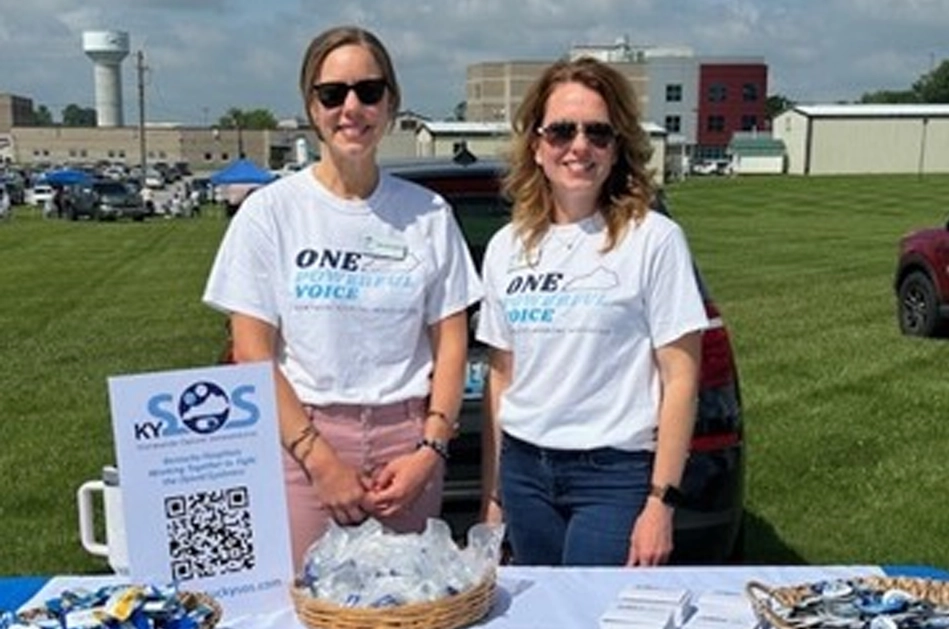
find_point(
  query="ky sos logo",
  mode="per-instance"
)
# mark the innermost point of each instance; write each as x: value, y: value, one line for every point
x: 203, y: 408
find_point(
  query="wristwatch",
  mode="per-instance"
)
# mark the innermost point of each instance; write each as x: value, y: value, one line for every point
x: 668, y: 494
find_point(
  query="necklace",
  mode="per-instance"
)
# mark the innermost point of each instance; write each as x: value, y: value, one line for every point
x: 565, y: 240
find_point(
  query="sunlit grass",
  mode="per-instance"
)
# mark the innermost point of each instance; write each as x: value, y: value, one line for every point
x: 846, y: 420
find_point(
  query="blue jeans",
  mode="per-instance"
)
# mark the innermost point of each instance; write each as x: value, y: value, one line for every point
x: 571, y: 507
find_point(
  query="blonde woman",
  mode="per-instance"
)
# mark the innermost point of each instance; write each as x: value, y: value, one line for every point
x: 594, y: 318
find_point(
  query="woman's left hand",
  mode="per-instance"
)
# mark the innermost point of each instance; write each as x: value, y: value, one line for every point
x: 651, y: 540
x: 399, y: 482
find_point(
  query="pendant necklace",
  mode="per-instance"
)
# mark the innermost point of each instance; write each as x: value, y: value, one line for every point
x: 566, y: 242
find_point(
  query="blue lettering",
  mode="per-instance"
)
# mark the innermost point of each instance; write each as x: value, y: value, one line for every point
x: 531, y: 315
x: 545, y: 283
x: 324, y: 291
x: 334, y: 259
x: 239, y: 401
x: 155, y: 409
x: 307, y: 258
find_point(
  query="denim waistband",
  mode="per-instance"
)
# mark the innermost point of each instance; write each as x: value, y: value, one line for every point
x: 567, y: 453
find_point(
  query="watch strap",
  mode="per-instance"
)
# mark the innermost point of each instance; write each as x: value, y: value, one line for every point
x: 668, y: 494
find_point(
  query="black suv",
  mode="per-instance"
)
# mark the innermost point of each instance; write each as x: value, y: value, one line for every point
x: 709, y: 529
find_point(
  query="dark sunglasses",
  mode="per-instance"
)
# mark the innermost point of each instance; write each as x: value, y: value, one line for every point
x: 334, y: 93
x: 563, y: 132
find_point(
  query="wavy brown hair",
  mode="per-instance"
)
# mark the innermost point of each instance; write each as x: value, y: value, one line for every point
x: 326, y: 42
x: 627, y: 192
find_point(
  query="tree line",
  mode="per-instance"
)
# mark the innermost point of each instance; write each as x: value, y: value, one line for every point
x: 75, y: 116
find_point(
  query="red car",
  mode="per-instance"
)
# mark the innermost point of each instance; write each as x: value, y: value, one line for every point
x: 922, y: 282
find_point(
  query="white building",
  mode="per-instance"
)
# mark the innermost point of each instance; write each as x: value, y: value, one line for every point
x: 865, y: 139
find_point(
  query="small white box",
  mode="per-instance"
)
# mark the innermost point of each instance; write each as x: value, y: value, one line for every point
x: 673, y: 596
x: 637, y: 616
x: 675, y: 600
x: 732, y: 605
x: 710, y: 621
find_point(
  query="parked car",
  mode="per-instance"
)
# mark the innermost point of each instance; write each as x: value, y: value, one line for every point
x: 922, y: 282
x: 116, y: 199
x: 154, y: 179
x: 79, y: 201
x: 5, y: 209
x: 709, y: 529
x: 39, y: 194
x: 15, y: 191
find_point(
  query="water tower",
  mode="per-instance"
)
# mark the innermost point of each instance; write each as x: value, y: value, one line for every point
x: 107, y: 49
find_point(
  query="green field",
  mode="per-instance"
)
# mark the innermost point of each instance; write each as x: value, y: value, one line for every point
x: 846, y: 425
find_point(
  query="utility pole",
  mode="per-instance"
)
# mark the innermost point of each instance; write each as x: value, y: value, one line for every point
x: 140, y: 66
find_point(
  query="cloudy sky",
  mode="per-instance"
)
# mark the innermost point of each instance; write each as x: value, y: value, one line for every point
x: 205, y: 56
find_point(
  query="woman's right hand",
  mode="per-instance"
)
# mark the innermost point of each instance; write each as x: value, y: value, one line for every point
x: 341, y: 488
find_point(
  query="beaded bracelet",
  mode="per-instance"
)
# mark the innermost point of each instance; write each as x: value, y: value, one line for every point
x: 440, y: 447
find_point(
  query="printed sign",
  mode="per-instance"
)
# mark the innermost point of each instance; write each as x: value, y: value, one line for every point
x: 202, y: 483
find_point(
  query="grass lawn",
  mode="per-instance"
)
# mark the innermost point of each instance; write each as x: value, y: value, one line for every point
x: 845, y: 418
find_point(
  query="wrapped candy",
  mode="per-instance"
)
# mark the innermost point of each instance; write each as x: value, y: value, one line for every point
x: 368, y: 566
x: 119, y: 607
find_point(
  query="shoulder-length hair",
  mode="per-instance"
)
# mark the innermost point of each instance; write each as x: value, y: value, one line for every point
x: 628, y: 191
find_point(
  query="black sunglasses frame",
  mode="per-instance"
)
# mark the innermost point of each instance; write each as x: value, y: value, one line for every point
x: 333, y: 93
x: 562, y: 132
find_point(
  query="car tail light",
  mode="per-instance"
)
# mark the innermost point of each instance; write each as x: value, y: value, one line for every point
x: 718, y: 365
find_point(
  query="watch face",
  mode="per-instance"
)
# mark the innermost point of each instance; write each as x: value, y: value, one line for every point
x: 673, y: 496
x: 668, y: 494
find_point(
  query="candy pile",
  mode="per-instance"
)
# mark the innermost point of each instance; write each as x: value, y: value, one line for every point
x: 856, y: 605
x: 119, y: 607
x: 369, y: 566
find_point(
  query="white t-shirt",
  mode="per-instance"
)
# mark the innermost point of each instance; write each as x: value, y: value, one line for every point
x: 351, y: 285
x: 583, y: 325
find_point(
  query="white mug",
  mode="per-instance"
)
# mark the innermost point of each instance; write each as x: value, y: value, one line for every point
x: 115, y: 547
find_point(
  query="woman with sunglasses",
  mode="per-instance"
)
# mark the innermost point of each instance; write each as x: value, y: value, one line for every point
x: 594, y: 320
x: 355, y: 284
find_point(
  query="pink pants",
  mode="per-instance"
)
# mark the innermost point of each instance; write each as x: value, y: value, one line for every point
x: 367, y: 437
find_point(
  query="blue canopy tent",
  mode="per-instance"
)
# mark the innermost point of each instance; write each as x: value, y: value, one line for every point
x: 242, y: 171
x: 66, y: 177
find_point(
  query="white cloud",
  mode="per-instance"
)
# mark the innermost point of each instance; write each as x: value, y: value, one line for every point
x: 211, y: 55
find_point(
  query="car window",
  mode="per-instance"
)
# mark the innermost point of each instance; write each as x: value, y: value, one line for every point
x: 110, y: 188
x: 479, y: 217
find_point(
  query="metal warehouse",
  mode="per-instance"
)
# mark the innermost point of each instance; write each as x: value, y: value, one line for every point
x: 865, y: 139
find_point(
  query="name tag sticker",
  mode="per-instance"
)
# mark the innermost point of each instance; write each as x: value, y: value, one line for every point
x: 382, y: 248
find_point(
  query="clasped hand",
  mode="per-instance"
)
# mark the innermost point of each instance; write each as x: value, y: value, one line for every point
x: 351, y: 495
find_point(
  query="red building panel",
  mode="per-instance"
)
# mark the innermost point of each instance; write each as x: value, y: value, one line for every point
x: 732, y: 97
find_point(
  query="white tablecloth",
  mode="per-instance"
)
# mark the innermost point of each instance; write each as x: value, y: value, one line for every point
x: 552, y: 598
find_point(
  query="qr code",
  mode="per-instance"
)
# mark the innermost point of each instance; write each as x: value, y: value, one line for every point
x: 210, y: 533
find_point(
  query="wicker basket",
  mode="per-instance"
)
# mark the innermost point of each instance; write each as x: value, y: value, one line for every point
x: 451, y: 612
x: 764, y: 598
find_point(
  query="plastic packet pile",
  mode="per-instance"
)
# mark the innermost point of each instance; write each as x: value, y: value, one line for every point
x: 369, y: 566
x: 111, y: 607
x: 846, y: 604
